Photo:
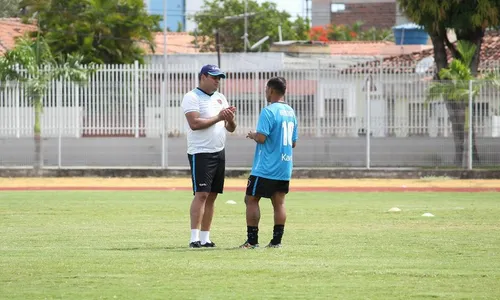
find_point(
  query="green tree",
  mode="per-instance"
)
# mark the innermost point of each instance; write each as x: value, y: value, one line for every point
x: 9, y: 8
x: 455, y: 87
x: 32, y: 64
x: 266, y: 21
x: 469, y: 20
x: 103, y: 31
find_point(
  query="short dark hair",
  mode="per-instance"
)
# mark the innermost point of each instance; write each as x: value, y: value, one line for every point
x: 278, y: 84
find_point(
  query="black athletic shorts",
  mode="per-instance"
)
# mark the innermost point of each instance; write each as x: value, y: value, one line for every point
x: 263, y: 187
x: 208, y: 171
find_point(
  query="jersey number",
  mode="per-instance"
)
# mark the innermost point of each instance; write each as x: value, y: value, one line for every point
x: 287, y: 133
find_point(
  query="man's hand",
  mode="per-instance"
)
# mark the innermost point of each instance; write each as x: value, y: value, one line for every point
x: 258, y: 137
x: 251, y: 135
x: 228, y: 115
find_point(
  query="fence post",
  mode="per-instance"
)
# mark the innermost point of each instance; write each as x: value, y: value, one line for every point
x: 257, y: 99
x: 164, y: 123
x: 469, y: 164
x: 136, y: 97
x: 163, y: 92
x: 59, y: 123
x: 368, y: 121
x: 18, y: 108
x: 319, y: 95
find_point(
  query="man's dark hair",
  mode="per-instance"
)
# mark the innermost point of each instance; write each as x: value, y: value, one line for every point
x: 278, y: 84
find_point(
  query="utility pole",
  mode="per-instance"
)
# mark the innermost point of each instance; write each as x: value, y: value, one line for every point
x: 164, y: 130
x: 308, y: 10
x: 217, y: 46
x: 245, y: 17
x: 245, y: 37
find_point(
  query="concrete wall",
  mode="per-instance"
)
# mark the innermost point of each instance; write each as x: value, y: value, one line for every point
x: 320, y: 12
x: 310, y: 152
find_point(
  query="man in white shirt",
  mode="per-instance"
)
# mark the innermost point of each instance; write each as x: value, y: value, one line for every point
x: 208, y: 117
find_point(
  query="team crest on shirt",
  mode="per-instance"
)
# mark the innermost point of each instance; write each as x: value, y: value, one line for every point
x: 220, y: 101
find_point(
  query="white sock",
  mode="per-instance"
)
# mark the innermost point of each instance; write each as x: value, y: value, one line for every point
x: 205, y: 237
x: 195, y: 235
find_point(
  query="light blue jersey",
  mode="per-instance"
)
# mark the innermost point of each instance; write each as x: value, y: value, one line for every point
x: 274, y: 158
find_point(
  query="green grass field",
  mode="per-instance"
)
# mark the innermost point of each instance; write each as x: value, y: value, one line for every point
x: 133, y: 245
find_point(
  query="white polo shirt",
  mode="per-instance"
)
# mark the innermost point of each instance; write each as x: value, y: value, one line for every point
x: 213, y: 138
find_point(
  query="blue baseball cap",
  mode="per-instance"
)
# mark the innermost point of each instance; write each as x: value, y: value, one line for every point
x: 212, y: 70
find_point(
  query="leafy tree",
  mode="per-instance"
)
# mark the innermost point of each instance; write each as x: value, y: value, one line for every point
x: 179, y: 27
x: 266, y: 21
x: 33, y: 64
x: 455, y: 87
x: 469, y: 19
x: 10, y: 8
x: 103, y: 31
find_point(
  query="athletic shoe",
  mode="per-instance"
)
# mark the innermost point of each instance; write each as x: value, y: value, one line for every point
x: 196, y: 244
x: 208, y: 245
x: 271, y: 245
x: 247, y: 245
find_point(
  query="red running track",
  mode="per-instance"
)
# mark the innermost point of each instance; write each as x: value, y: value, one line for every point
x: 294, y: 189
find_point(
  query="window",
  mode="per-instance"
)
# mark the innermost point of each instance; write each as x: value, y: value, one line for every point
x: 337, y: 7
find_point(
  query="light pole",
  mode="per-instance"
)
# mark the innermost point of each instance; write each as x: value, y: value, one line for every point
x: 217, y: 46
x: 245, y: 36
x: 164, y: 140
x: 243, y: 16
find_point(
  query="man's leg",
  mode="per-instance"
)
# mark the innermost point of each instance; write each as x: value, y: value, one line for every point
x: 278, y: 201
x: 253, y: 218
x: 196, y: 213
x: 206, y: 221
x: 217, y: 187
x: 203, y: 168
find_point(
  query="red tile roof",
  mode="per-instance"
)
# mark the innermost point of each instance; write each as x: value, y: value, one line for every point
x: 405, y: 63
x: 375, y: 48
x: 10, y: 29
x: 177, y: 42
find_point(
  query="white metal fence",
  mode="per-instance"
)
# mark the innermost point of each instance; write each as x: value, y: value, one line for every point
x: 131, y: 101
x: 126, y: 100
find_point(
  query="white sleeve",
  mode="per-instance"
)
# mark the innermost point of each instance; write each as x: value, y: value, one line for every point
x: 190, y: 103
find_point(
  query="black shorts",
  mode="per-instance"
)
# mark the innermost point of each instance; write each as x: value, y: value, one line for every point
x: 208, y: 171
x: 263, y: 187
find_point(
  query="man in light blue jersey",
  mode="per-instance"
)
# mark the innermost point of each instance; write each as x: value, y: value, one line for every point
x: 276, y: 136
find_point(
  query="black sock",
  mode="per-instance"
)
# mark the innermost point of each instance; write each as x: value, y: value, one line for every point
x: 253, y: 235
x: 277, y: 234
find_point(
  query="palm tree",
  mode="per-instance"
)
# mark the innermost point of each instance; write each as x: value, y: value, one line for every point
x: 32, y: 64
x: 456, y: 90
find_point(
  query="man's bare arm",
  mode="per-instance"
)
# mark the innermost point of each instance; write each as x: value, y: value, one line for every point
x: 258, y: 137
x: 230, y: 125
x: 229, y: 117
x: 197, y: 123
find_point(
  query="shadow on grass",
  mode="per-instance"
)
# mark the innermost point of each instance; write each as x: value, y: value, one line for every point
x: 171, y: 248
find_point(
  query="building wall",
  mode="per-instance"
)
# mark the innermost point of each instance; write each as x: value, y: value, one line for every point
x: 229, y: 62
x: 379, y: 15
x: 320, y: 12
x: 400, y: 17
